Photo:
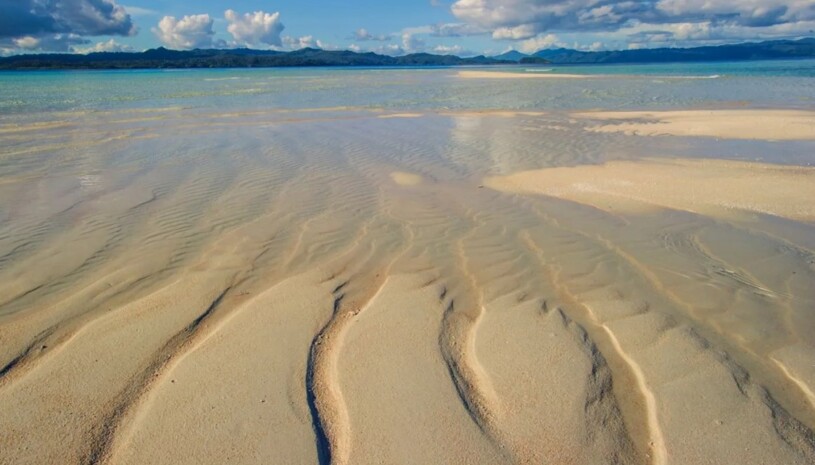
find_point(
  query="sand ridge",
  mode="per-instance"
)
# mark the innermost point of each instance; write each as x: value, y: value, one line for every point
x: 317, y: 300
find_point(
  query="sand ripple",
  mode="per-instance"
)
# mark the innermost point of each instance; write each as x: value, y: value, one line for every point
x: 290, y: 287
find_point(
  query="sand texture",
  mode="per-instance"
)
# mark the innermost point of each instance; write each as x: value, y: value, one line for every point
x: 333, y: 287
x: 712, y: 187
x: 727, y: 124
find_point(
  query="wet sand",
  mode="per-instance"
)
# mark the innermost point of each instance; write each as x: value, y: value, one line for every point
x: 717, y: 188
x: 727, y: 124
x: 327, y: 287
x: 508, y: 75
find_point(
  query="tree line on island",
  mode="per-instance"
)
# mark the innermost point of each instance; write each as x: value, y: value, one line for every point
x: 247, y: 58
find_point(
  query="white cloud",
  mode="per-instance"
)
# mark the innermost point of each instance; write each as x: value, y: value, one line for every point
x: 705, y: 33
x: 48, y: 43
x: 457, y: 50
x: 297, y: 43
x: 106, y: 46
x: 388, y: 49
x: 27, y: 42
x: 525, y: 19
x: 362, y: 34
x: 194, y: 31
x: 412, y: 44
x: 456, y: 30
x: 524, y: 31
x: 540, y: 42
x: 255, y: 29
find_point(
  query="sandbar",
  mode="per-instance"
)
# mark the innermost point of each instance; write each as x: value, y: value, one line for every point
x: 507, y: 75
x: 727, y: 124
x: 707, y: 186
x: 406, y: 179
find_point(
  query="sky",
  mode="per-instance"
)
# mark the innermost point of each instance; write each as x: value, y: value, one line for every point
x: 395, y: 27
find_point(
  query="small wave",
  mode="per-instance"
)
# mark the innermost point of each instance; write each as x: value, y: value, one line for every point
x: 233, y: 78
x: 545, y: 70
x: 712, y: 76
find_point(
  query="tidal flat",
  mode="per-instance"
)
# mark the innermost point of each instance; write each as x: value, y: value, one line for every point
x: 419, y: 266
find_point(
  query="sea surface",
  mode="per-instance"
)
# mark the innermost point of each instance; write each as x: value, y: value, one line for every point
x: 142, y: 211
x: 787, y: 83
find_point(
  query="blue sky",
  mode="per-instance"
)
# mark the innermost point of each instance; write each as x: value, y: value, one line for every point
x: 462, y: 27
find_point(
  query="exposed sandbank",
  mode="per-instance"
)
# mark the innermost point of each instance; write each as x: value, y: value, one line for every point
x: 508, y: 75
x: 406, y: 179
x: 726, y: 124
x: 276, y: 293
x: 715, y: 187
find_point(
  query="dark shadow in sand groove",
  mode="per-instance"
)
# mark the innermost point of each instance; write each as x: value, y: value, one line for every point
x: 100, y: 448
x: 321, y: 440
x: 323, y: 447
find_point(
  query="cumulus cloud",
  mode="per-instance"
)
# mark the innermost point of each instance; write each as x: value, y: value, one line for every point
x: 456, y: 30
x: 255, y: 29
x: 48, y: 43
x: 525, y: 19
x: 452, y: 50
x: 363, y: 35
x: 33, y: 18
x: 385, y: 49
x: 524, y: 31
x: 194, y: 31
x: 412, y: 44
x: 106, y: 46
x: 540, y: 42
x: 702, y: 33
x: 298, y: 43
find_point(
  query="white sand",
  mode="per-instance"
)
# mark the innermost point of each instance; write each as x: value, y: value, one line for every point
x: 317, y: 303
x: 726, y: 124
x: 406, y: 179
x: 507, y: 75
x: 715, y: 187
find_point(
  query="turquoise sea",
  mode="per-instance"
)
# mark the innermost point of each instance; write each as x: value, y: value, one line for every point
x: 786, y: 83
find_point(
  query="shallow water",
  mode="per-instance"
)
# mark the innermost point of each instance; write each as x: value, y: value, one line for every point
x: 215, y: 185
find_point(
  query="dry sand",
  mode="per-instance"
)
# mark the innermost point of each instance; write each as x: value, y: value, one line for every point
x: 712, y: 187
x: 401, y: 115
x: 507, y: 75
x: 320, y: 302
x: 727, y: 124
x: 406, y: 179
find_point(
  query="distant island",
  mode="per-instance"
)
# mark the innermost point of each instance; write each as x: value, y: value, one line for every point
x: 232, y: 58
x: 769, y: 50
x: 247, y: 58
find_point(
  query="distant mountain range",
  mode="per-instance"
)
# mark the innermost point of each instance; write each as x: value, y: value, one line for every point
x: 232, y: 58
x: 512, y: 55
x: 802, y: 48
x: 248, y: 58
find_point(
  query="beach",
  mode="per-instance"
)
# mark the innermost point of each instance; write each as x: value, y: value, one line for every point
x: 407, y: 266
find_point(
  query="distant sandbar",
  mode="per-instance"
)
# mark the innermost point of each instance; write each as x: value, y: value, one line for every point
x: 507, y: 75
